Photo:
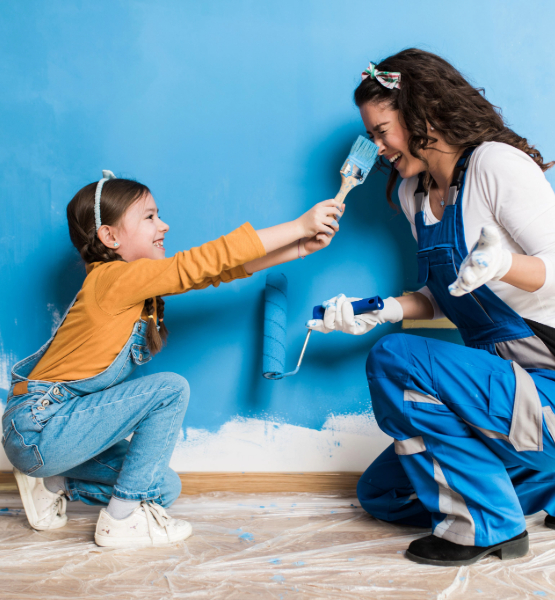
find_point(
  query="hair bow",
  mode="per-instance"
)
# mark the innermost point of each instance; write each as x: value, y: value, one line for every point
x: 388, y: 79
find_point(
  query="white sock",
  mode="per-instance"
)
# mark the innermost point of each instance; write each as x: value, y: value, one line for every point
x: 121, y: 509
x: 55, y: 483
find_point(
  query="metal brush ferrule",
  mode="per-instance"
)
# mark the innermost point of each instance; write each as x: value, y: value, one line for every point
x: 350, y: 169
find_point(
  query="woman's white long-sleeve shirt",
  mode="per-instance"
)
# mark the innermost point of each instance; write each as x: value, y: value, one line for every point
x: 505, y: 189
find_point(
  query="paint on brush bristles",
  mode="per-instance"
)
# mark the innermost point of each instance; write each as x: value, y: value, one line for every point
x: 361, y: 159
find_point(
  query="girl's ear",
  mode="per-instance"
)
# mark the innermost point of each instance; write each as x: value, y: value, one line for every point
x: 107, y: 237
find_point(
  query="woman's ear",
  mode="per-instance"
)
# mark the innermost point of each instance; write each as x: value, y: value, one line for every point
x: 107, y: 236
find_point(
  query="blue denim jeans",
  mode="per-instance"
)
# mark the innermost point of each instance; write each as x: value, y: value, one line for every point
x: 79, y: 428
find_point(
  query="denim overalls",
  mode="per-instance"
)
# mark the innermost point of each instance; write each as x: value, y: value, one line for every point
x: 473, y: 425
x: 78, y: 429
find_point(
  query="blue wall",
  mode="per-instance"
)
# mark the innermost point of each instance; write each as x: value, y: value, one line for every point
x: 232, y: 111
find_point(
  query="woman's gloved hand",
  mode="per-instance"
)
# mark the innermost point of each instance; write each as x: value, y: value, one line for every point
x: 487, y: 261
x: 340, y: 316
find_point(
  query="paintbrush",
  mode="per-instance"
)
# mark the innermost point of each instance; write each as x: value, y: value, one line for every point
x: 355, y: 169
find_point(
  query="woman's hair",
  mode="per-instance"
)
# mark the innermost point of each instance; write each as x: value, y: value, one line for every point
x: 433, y: 91
x: 117, y: 196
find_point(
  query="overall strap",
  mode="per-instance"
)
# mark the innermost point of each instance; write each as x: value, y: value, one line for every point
x: 456, y: 183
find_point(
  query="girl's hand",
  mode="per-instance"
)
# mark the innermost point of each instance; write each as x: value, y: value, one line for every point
x: 318, y: 242
x: 321, y: 218
x: 487, y: 261
x: 321, y: 240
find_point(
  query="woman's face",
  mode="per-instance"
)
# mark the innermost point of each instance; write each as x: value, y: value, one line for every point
x: 388, y: 132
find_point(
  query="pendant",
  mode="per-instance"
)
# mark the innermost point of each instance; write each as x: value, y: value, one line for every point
x: 442, y: 203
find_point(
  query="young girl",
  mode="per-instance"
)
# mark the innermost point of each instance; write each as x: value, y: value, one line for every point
x: 473, y: 425
x: 70, y: 409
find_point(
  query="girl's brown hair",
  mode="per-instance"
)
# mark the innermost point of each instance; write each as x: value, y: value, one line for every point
x: 434, y: 92
x: 117, y: 196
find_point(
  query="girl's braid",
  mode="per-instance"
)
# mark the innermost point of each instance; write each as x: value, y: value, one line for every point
x: 155, y: 339
x: 160, y: 310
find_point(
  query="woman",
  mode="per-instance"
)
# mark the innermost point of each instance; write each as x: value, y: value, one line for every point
x: 473, y: 426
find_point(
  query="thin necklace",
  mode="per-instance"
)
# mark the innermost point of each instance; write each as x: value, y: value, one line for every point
x: 441, y: 202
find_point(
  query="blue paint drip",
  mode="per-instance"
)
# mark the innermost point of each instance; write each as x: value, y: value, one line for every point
x: 248, y: 537
x: 278, y: 578
x: 275, y: 561
x: 299, y: 563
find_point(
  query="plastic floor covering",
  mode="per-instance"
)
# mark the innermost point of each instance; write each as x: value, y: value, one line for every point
x: 280, y: 546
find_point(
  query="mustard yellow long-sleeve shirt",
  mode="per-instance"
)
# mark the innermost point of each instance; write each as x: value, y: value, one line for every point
x: 113, y: 295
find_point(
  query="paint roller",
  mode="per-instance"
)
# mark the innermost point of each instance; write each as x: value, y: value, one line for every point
x: 275, y: 325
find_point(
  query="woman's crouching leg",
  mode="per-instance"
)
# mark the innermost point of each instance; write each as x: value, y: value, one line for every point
x: 385, y: 491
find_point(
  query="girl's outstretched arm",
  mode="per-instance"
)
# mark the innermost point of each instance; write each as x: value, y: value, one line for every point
x: 302, y: 246
x: 121, y: 284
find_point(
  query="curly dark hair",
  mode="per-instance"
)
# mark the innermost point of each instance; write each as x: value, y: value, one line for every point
x: 117, y: 196
x: 434, y: 92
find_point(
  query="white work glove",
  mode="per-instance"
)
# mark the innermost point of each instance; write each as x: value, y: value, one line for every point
x: 340, y: 316
x: 487, y: 261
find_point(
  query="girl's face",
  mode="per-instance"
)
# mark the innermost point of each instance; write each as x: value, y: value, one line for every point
x: 387, y: 131
x: 140, y: 233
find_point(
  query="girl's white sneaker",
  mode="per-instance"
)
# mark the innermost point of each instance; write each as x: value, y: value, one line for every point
x: 44, y: 509
x: 148, y: 525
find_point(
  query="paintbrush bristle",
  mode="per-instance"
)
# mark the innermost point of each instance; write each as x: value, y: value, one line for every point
x: 363, y: 153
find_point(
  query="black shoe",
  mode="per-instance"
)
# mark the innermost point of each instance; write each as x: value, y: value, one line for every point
x: 549, y: 522
x: 432, y: 550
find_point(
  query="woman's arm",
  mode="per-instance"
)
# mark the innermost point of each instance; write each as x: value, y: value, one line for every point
x: 526, y: 273
x: 416, y: 306
x: 522, y: 204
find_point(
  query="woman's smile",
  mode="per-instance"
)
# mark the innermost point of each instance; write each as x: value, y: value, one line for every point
x: 394, y: 158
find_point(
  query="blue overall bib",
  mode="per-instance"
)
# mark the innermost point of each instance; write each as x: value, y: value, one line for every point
x: 473, y: 425
x: 78, y: 429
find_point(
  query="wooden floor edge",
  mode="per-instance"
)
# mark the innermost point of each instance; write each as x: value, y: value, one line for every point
x: 247, y: 483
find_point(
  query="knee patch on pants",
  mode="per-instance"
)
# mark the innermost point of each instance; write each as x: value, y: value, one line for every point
x: 387, y: 356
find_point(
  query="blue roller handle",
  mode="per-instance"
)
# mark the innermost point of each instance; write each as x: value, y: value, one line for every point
x: 360, y: 307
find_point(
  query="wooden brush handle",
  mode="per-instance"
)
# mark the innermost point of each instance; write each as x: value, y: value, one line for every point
x: 347, y: 184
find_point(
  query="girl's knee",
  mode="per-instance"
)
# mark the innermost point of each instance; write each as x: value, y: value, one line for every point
x: 177, y: 383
